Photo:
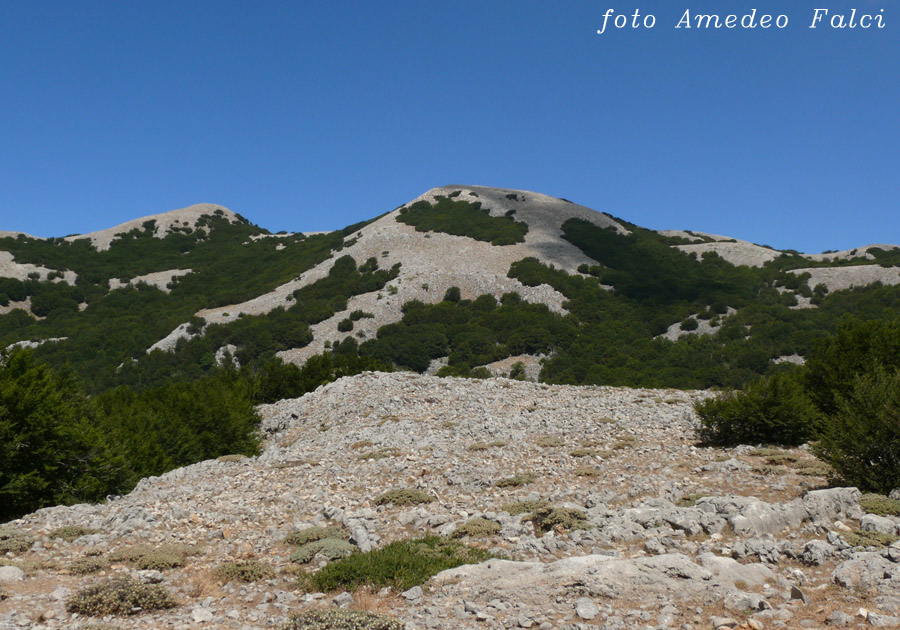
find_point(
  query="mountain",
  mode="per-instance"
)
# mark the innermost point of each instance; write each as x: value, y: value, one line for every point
x: 462, y: 280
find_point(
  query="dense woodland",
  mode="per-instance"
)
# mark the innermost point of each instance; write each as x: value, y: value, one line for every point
x: 124, y: 414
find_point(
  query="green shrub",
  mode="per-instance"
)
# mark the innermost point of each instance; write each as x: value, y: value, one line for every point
x: 551, y: 518
x: 689, y: 500
x: 483, y: 446
x: 772, y: 410
x: 246, y: 571
x: 345, y: 325
x: 72, y: 532
x: 585, y: 452
x: 84, y: 566
x: 311, y: 534
x: 122, y: 596
x: 861, y: 538
x: 452, y: 295
x: 524, y: 507
x: 400, y: 565
x: 338, y: 619
x: 14, y: 541
x: 404, y: 496
x: 463, y: 218
x: 548, y: 441
x: 477, y: 528
x: 880, y: 505
x: 689, y: 324
x: 160, y: 558
x: 328, y: 548
x: 516, y: 481
x: 51, y: 449
x: 862, y: 440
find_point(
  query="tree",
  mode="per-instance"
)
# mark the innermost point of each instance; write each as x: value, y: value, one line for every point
x: 50, y: 449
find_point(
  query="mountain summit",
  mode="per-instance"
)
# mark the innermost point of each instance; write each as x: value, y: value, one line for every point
x: 460, y: 280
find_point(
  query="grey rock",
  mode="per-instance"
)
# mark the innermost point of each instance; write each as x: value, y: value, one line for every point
x: 718, y: 623
x: 413, y: 595
x: 816, y: 552
x: 343, y: 599
x: 875, y: 523
x: 586, y: 608
x: 839, y: 618
x: 740, y: 600
x: 201, y: 615
x: 882, y: 621
x: 862, y: 570
x: 11, y: 574
x: 797, y: 593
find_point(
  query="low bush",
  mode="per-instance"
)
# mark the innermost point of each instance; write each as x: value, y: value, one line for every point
x: 122, y: 596
x: 477, y: 528
x: 861, y: 538
x: 14, y: 541
x: 311, y: 534
x: 772, y: 410
x: 404, y: 496
x: 247, y: 571
x: 85, y: 566
x: 516, y: 481
x: 72, y: 532
x: 524, y: 507
x: 862, y: 440
x: 161, y: 558
x: 338, y: 619
x: 880, y: 505
x: 551, y: 518
x: 328, y: 548
x: 400, y: 565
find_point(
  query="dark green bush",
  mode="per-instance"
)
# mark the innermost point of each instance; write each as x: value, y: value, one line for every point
x: 772, y: 410
x: 463, y: 218
x: 400, y: 565
x: 345, y: 325
x: 452, y: 295
x: 861, y: 440
x: 404, y: 496
x: 52, y: 450
x: 246, y: 571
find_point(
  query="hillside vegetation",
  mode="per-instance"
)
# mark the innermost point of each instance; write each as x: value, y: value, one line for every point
x: 639, y: 313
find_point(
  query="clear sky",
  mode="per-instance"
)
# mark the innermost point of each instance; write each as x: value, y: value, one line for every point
x: 310, y: 115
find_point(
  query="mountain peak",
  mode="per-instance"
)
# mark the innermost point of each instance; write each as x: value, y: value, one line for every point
x: 164, y: 223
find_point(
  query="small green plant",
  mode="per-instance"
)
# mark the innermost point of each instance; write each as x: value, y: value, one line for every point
x: 477, y: 528
x: 585, y: 452
x: 14, y: 541
x: 381, y: 453
x: 338, y: 619
x: 524, y: 507
x: 328, y: 548
x: 72, y: 532
x: 122, y: 596
x: 516, y: 481
x: 161, y: 558
x: 861, y: 538
x: 880, y: 505
x: 231, y: 459
x: 551, y: 518
x: 85, y: 566
x: 586, y: 471
x: 400, y: 565
x: 548, y: 441
x: 312, y: 534
x: 247, y: 571
x: 689, y: 500
x: 404, y: 496
x: 483, y: 446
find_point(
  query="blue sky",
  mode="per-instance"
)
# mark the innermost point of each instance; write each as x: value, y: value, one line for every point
x: 314, y: 115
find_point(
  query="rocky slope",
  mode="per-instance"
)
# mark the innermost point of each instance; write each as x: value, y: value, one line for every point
x: 674, y: 535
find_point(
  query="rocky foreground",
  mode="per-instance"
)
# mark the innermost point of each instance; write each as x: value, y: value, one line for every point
x: 671, y: 535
